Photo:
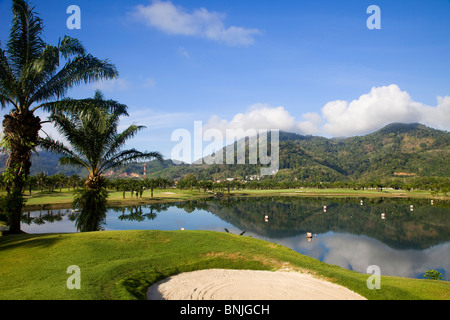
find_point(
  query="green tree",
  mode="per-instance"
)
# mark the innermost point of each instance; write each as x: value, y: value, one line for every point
x: 433, y: 275
x: 151, y: 184
x: 33, y: 72
x: 74, y: 181
x: 42, y: 180
x: 189, y: 181
x: 90, y: 127
x: 31, y: 182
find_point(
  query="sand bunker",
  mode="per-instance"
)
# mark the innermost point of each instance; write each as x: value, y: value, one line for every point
x: 223, y: 284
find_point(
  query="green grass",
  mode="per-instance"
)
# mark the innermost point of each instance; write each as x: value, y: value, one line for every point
x: 65, y: 198
x: 122, y: 264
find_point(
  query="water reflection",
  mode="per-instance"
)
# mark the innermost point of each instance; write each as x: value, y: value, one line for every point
x: 356, y: 252
x: 349, y: 233
x: 426, y: 226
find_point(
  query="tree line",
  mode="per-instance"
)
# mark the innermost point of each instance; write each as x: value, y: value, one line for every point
x: 135, y: 187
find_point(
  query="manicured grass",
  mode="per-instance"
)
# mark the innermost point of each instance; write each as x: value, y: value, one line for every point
x: 122, y: 264
x: 65, y: 197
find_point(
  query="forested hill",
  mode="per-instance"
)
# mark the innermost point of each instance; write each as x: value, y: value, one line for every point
x: 397, y: 150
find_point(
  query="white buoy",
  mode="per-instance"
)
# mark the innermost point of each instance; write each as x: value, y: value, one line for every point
x: 362, y: 202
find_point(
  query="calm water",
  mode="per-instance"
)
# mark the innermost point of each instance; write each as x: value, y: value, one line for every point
x: 349, y: 233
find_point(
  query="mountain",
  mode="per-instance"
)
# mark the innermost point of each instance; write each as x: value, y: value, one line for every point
x: 46, y: 162
x: 397, y: 150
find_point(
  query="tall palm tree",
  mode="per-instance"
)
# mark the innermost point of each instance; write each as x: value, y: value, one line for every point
x: 90, y: 127
x: 33, y: 72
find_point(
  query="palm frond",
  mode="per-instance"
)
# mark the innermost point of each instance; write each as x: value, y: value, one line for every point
x: 69, y: 47
x: 68, y: 106
x: 68, y: 156
x: 37, y: 72
x: 25, y: 42
x: 118, y: 140
x: 81, y: 69
x: 75, y: 161
x: 52, y: 145
x: 8, y: 82
x: 5, y: 99
x: 70, y: 130
x: 127, y: 157
x: 90, y: 126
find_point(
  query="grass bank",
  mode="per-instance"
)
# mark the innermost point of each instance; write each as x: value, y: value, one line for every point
x: 122, y: 264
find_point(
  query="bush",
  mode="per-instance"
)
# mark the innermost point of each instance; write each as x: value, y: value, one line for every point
x: 433, y: 275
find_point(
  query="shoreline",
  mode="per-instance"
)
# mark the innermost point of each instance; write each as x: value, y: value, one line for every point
x: 184, y: 196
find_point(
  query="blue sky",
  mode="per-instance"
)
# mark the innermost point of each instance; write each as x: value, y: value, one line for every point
x: 312, y: 67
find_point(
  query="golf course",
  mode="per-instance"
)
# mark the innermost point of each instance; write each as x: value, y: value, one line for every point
x: 123, y: 264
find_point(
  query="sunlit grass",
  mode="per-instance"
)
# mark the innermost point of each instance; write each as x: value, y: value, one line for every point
x: 65, y: 196
x: 122, y: 264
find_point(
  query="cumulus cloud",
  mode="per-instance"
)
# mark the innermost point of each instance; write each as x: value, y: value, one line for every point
x: 381, y: 106
x: 370, y: 112
x: 258, y: 116
x: 172, y: 19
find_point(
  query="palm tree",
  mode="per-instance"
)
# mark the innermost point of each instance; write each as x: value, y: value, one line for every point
x: 90, y: 127
x: 33, y: 72
x: 151, y: 184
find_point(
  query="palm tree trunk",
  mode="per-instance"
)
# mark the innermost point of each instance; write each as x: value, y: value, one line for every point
x: 21, y: 132
x: 94, y: 181
x: 91, y: 201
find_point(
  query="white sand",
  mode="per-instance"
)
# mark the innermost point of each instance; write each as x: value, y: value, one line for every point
x: 222, y: 284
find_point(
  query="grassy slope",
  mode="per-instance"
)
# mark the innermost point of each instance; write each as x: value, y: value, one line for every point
x: 122, y: 264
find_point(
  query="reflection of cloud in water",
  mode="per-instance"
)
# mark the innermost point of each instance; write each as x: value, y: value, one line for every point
x: 358, y: 252
x: 342, y: 249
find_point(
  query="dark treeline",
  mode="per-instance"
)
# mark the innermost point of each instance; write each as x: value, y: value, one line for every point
x: 135, y: 187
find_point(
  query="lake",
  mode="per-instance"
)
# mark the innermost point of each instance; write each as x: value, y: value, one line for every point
x: 404, y: 237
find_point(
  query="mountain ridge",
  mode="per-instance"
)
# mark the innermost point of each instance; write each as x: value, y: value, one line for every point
x: 396, y: 150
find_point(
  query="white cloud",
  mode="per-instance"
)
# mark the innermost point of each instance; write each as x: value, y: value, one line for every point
x: 172, y: 19
x: 370, y: 112
x: 112, y: 85
x: 311, y: 123
x: 155, y: 120
x: 259, y: 116
x: 383, y: 105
